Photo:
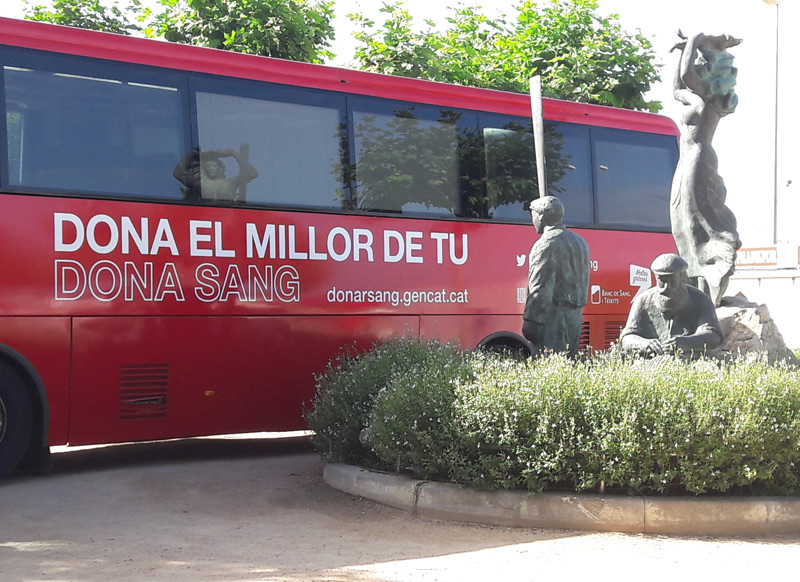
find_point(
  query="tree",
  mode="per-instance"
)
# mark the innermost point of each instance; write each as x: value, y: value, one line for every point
x: 397, y: 49
x: 298, y: 30
x: 92, y: 14
x: 580, y: 55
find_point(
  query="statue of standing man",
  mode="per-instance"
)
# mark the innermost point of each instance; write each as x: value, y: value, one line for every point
x: 704, y: 228
x: 558, y: 281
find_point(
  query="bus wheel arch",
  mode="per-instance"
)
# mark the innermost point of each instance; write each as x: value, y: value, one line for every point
x: 506, y: 341
x: 24, y: 415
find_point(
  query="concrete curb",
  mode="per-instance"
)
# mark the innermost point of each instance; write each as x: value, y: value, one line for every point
x: 653, y: 515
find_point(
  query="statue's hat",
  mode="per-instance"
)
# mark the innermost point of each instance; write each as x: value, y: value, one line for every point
x: 548, y: 205
x: 668, y: 264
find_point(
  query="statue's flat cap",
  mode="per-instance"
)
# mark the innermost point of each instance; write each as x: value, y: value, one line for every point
x: 668, y: 264
x: 547, y: 205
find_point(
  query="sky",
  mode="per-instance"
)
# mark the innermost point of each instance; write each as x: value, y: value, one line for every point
x: 745, y: 141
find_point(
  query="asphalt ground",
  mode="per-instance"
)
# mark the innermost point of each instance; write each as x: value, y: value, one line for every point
x: 256, y: 509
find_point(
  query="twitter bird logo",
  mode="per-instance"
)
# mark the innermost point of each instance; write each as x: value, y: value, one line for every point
x: 520, y: 260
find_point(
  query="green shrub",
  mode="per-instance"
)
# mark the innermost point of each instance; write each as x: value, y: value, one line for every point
x: 411, y: 424
x: 523, y: 423
x: 340, y: 414
x: 636, y: 426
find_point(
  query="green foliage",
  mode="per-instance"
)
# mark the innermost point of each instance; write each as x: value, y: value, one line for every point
x: 91, y: 14
x: 638, y: 427
x: 411, y: 422
x: 346, y: 394
x: 396, y: 49
x: 580, y: 55
x: 643, y: 427
x: 298, y: 30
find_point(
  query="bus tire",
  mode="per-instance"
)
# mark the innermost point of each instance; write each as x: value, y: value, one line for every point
x: 506, y: 343
x: 16, y: 419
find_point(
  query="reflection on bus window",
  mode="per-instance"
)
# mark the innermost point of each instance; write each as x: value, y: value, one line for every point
x: 204, y: 175
x: 633, y: 172
x: 407, y: 164
x: 92, y: 133
x: 295, y: 147
x: 569, y: 170
x: 510, y: 172
x: 511, y: 181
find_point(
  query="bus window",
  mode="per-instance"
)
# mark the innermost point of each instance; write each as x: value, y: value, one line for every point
x: 295, y: 149
x: 105, y: 132
x: 569, y: 171
x: 633, y: 173
x: 510, y: 171
x: 407, y: 158
x: 510, y: 162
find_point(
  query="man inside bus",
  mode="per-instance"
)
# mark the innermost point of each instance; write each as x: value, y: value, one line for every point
x: 672, y: 317
x: 203, y: 174
x: 558, y: 281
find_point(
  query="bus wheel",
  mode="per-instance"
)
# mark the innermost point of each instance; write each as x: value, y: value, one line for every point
x: 510, y: 348
x: 16, y: 419
x: 506, y: 343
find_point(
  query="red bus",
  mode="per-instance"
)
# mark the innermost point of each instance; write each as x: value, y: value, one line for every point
x: 189, y: 235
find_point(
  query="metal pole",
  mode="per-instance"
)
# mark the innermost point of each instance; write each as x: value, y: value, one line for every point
x: 775, y: 144
x: 538, y: 133
x: 775, y: 169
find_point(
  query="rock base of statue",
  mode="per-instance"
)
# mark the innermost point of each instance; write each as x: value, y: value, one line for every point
x: 747, y: 329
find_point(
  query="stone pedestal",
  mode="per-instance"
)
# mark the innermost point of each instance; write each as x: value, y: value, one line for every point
x: 747, y: 328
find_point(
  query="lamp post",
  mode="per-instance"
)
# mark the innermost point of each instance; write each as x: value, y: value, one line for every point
x: 777, y: 5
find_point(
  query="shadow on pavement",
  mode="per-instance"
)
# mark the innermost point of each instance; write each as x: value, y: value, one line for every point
x: 187, y: 450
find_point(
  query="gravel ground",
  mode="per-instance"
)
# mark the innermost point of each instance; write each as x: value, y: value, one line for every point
x: 256, y: 509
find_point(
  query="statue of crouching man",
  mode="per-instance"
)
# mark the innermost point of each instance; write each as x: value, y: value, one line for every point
x: 671, y: 317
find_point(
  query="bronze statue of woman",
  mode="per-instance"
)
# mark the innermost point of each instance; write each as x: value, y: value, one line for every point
x: 703, y: 227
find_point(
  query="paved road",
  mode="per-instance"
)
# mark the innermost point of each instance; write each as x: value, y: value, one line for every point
x: 256, y: 509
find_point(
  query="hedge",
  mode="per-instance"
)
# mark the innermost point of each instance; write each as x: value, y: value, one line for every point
x: 604, y: 423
